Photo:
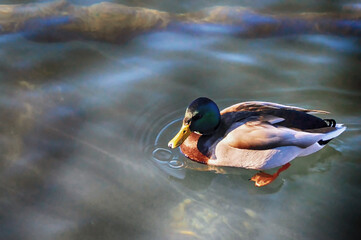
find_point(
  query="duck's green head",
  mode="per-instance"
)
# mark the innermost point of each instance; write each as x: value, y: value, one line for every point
x: 202, y: 116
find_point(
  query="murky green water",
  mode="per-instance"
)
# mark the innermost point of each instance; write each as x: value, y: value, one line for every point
x: 84, y: 128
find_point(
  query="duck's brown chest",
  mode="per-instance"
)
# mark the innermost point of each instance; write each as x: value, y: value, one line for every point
x: 189, y: 149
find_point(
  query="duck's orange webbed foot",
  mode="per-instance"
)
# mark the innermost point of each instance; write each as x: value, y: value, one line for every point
x: 263, y: 179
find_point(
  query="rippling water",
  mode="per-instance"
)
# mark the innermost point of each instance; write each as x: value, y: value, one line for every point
x: 84, y: 130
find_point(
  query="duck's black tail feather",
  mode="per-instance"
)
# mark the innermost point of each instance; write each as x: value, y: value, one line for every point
x: 321, y: 142
x: 330, y: 122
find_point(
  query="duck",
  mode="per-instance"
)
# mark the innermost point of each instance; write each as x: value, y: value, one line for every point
x: 252, y: 135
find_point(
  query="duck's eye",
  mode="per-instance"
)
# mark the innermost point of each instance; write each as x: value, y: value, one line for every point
x: 198, y: 116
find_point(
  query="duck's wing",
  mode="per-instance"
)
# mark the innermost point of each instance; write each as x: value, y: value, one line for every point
x: 264, y: 132
x: 261, y: 143
x: 258, y: 106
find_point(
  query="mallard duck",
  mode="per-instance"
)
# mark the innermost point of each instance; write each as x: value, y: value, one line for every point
x: 253, y: 135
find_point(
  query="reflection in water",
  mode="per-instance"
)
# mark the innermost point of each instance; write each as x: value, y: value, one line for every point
x: 84, y: 130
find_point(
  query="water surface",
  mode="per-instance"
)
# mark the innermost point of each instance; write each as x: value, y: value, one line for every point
x: 84, y: 130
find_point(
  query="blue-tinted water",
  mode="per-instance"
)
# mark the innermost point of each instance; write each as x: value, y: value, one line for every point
x: 84, y: 130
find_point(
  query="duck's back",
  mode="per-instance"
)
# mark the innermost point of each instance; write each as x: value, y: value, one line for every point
x: 293, y: 117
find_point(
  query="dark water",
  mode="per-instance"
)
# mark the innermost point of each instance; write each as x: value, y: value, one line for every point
x: 84, y: 128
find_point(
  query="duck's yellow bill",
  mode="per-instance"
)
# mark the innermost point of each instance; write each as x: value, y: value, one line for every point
x: 183, y: 133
